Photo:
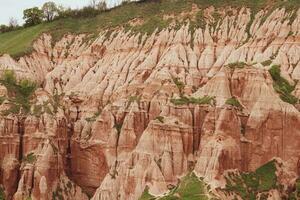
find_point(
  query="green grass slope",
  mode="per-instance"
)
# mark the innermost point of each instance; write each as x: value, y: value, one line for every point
x: 189, y: 188
x: 16, y: 43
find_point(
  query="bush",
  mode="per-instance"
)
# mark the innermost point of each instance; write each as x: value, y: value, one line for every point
x: 56, y: 101
x: 32, y: 16
x: 87, y: 11
x: 192, y: 100
x: 2, y: 194
x: 248, y: 184
x: 26, y: 88
x: 179, y: 84
x: 146, y: 195
x: 94, y: 117
x: 266, y: 63
x: 118, y: 127
x: 19, y: 92
x: 282, y: 86
x: 235, y: 65
x: 133, y: 99
x: 160, y: 119
x: 233, y: 102
x: 190, y: 187
x: 30, y: 158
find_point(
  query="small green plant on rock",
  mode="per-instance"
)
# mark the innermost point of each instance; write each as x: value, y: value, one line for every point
x: 146, y: 195
x: 237, y: 65
x: 266, y: 63
x: 160, y: 119
x: 30, y: 158
x: 2, y: 194
x: 180, y: 85
x: 192, y: 100
x: 133, y: 99
x: 19, y: 92
x: 94, y: 117
x: 234, y: 102
x: 282, y: 86
x: 118, y: 127
x: 248, y: 184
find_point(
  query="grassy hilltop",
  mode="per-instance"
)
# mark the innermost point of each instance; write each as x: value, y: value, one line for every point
x: 19, y: 42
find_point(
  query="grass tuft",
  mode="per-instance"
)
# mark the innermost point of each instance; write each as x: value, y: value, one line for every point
x: 249, y: 185
x: 233, y: 102
x: 30, y: 158
x: 160, y: 119
x: 282, y: 86
x: 19, y: 92
x: 192, y: 100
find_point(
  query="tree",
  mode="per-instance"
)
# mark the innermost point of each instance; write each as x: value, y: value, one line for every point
x: 98, y: 4
x: 102, y: 5
x: 13, y: 22
x: 50, y: 10
x: 93, y: 3
x: 32, y: 16
x: 4, y: 28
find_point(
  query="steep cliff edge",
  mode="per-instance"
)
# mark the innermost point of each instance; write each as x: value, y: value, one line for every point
x: 128, y: 116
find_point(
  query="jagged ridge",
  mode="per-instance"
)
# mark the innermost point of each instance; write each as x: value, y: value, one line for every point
x: 116, y: 131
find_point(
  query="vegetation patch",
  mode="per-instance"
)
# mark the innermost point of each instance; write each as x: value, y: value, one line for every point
x: 160, y: 119
x: 266, y: 63
x: 118, y: 127
x: 190, y: 188
x: 57, y: 194
x: 282, y: 86
x: 19, y: 92
x: 94, y: 117
x: 183, y: 100
x: 237, y: 65
x: 146, y: 195
x: 90, y: 20
x: 30, y: 158
x: 2, y: 194
x: 249, y: 185
x: 179, y: 84
x: 134, y: 99
x: 234, y: 102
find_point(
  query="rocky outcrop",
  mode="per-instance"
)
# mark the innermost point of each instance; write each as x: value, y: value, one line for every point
x: 126, y: 112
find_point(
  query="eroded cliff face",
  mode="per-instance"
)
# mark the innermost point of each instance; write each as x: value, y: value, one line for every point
x: 110, y: 123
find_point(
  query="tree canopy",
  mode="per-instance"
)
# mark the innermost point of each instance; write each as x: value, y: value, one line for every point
x: 32, y: 16
x: 50, y: 10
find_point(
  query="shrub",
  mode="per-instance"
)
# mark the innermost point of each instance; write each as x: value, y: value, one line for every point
x: 190, y: 187
x: 203, y: 100
x: 26, y: 88
x: 233, y: 102
x: 146, y: 195
x: 19, y: 92
x: 30, y: 158
x: 192, y: 100
x: 160, y: 119
x: 93, y: 118
x: 133, y: 99
x: 37, y: 110
x: 2, y: 194
x: 9, y: 80
x: 179, y: 84
x: 248, y: 184
x: 235, y: 65
x: 118, y: 127
x: 266, y: 63
x: 32, y: 16
x: 181, y: 101
x: 282, y: 86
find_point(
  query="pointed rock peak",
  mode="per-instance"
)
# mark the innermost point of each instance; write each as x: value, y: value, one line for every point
x: 217, y: 87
